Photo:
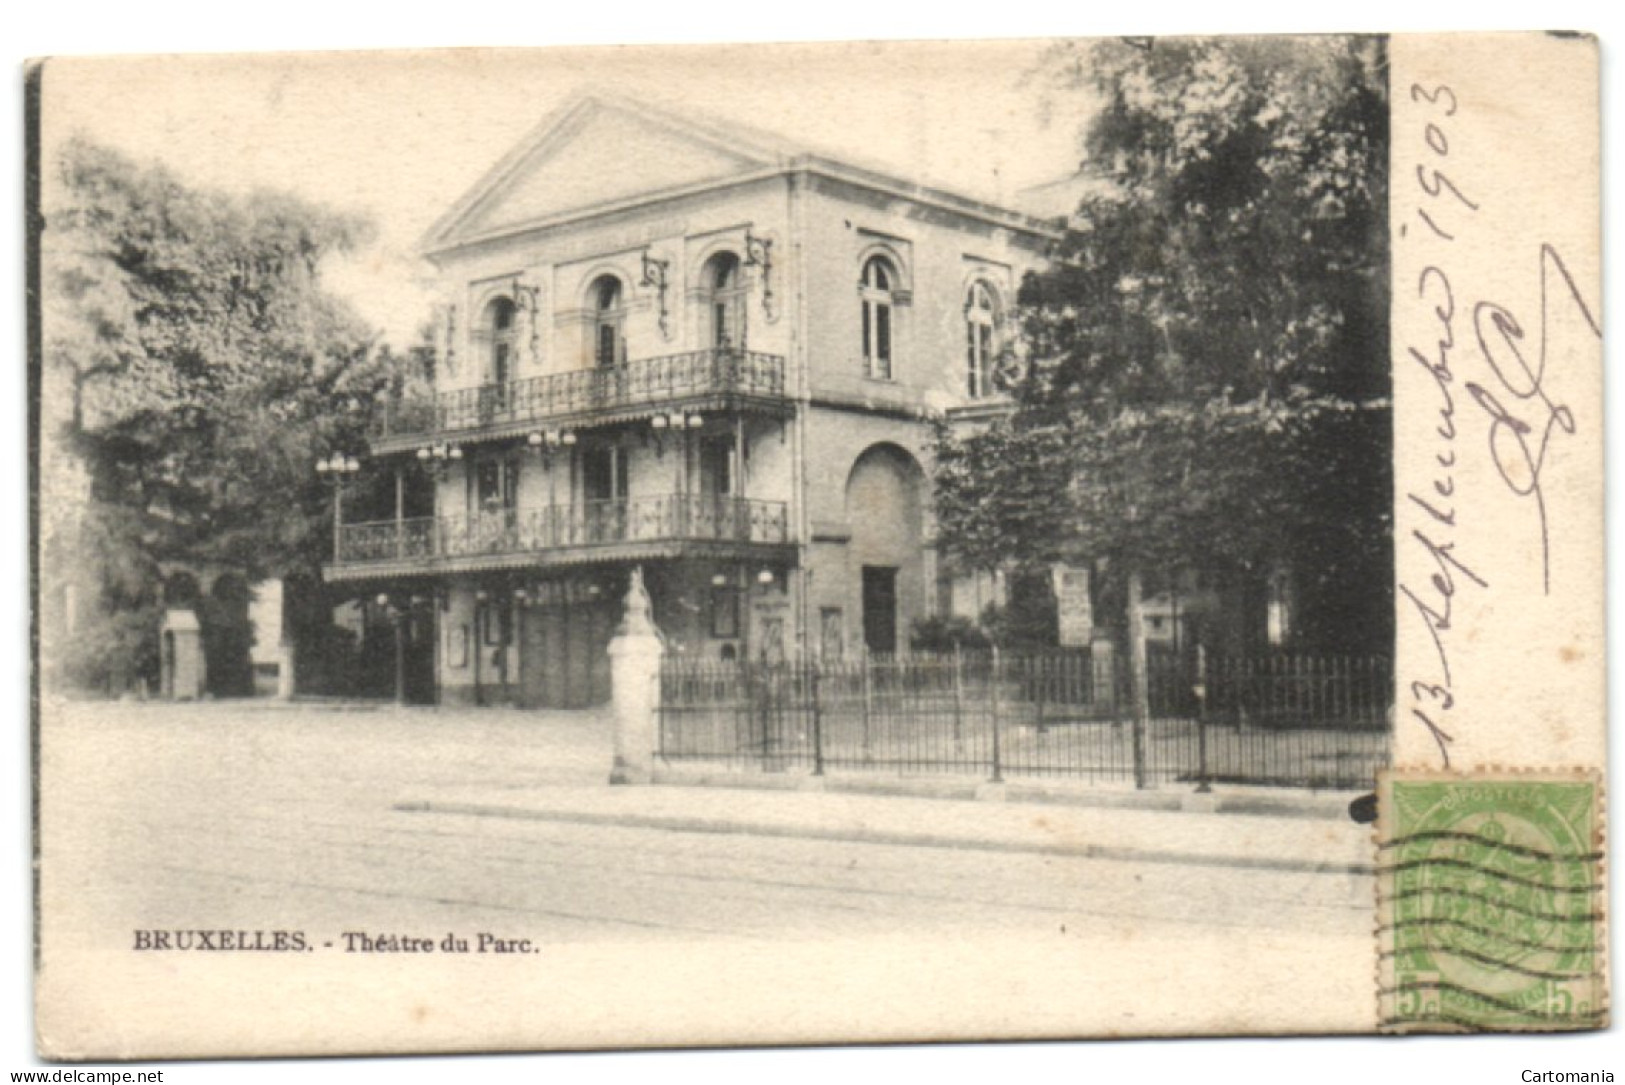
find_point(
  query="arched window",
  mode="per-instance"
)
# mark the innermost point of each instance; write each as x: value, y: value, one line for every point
x: 499, y: 330
x: 876, y: 287
x: 609, y: 320
x: 724, y: 319
x: 981, y: 319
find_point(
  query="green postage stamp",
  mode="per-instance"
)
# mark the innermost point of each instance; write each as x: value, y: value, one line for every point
x: 1491, y: 902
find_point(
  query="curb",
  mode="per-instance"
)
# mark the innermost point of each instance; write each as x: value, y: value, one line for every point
x: 254, y: 704
x: 724, y: 826
x: 1329, y: 806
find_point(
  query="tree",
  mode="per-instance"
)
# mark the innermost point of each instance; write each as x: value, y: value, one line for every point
x: 1209, y: 378
x: 194, y: 368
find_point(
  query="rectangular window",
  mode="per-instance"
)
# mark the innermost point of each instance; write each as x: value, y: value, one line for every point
x: 496, y: 485
x: 725, y: 611
x: 832, y: 634
x: 603, y: 473
x: 883, y: 341
x: 608, y: 350
x: 971, y: 388
x: 716, y: 466
x: 497, y: 618
x: 724, y: 336
x: 984, y: 358
x: 877, y: 335
x: 489, y: 474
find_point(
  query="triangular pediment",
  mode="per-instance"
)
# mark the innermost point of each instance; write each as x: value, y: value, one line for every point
x: 594, y: 153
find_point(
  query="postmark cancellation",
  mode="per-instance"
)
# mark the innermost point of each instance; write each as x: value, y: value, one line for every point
x: 1491, y: 902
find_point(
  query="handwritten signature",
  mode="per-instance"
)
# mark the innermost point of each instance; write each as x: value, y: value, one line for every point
x: 1521, y: 428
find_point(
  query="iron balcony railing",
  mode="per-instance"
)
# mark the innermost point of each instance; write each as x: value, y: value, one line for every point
x: 668, y: 518
x: 645, y: 382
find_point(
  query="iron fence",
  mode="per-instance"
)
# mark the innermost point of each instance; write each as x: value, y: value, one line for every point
x: 1281, y: 720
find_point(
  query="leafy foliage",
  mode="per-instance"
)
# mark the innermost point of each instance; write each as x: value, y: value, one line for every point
x: 1210, y: 360
x: 194, y: 368
x: 944, y: 634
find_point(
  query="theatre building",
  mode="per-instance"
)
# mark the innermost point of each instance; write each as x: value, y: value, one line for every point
x: 686, y: 346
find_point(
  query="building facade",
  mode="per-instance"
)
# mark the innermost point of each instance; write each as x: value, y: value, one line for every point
x: 693, y: 348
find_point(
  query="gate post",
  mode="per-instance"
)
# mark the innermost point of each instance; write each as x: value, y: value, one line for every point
x: 1138, y: 680
x: 185, y: 676
x: 634, y: 665
x: 286, y: 681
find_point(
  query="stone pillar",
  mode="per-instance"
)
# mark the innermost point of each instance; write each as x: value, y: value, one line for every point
x: 634, y: 667
x: 185, y: 671
x: 286, y: 682
x: 1103, y: 663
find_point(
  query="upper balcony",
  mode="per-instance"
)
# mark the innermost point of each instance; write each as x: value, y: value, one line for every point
x: 699, y: 380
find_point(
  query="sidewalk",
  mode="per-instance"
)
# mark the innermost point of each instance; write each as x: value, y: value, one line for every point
x: 1280, y: 842
x: 553, y: 767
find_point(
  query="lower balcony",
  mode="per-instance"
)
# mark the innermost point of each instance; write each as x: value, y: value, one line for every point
x: 648, y: 528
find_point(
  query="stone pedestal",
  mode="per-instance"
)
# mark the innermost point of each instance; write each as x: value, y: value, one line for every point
x: 285, y: 680
x: 1103, y: 662
x: 634, y: 667
x: 185, y: 673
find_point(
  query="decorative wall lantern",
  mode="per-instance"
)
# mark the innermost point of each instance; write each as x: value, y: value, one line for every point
x: 656, y: 274
x: 338, y: 469
x: 451, y: 340
x: 759, y: 253
x: 338, y: 466
x: 439, y: 456
x: 547, y: 442
x: 675, y: 422
x: 527, y: 299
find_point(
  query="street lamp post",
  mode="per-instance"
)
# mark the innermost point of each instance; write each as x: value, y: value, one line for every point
x: 398, y: 616
x: 339, y: 469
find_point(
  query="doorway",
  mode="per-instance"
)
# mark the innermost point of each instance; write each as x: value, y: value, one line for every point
x: 880, y: 608
x: 564, y: 654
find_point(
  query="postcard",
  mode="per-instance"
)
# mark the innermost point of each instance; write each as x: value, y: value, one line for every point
x: 671, y: 547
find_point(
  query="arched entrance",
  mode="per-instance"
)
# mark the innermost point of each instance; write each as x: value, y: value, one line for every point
x: 885, y: 506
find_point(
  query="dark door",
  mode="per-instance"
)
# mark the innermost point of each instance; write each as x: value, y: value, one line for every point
x: 564, y: 655
x: 880, y: 608
x: 532, y: 657
x: 417, y: 656
x: 586, y: 666
x: 603, y: 482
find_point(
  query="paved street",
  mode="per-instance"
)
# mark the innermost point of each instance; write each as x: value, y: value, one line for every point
x: 256, y: 818
x: 217, y: 812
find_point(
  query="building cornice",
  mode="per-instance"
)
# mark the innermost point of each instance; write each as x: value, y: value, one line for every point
x: 803, y: 166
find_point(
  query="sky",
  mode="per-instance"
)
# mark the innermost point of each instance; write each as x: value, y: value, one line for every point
x: 400, y: 136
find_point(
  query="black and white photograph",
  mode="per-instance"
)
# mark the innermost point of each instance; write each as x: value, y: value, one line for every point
x: 811, y: 543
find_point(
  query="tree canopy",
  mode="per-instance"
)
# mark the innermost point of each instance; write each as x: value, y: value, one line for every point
x: 193, y: 369
x: 1208, y: 348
